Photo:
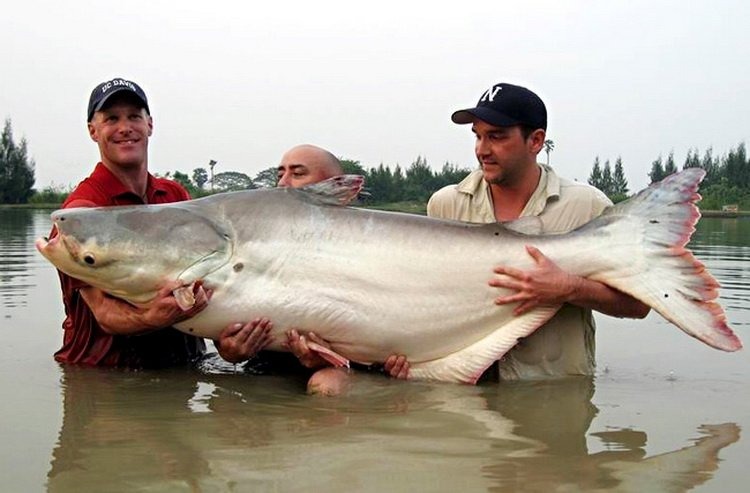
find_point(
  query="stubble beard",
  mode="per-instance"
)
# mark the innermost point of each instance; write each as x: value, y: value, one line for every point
x: 498, y: 180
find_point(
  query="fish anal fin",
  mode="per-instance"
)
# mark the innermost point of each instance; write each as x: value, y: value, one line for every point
x: 468, y: 364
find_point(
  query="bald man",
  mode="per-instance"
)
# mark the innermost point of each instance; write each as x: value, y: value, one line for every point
x: 300, y: 166
x: 306, y: 164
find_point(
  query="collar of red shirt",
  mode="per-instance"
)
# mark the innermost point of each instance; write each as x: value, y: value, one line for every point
x: 110, y: 182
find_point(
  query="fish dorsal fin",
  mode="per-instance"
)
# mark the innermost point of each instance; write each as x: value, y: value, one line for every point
x: 528, y: 225
x: 339, y: 190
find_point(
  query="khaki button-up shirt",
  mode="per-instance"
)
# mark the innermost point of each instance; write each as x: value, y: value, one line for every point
x: 565, y: 344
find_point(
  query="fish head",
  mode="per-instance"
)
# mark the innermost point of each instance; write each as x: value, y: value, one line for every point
x: 132, y: 252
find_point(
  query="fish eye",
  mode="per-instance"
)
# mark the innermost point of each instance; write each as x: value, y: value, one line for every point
x: 89, y: 259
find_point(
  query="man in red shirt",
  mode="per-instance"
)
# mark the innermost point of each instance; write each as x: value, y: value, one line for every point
x: 103, y: 330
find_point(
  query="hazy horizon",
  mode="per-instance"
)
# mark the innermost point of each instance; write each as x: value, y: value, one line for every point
x: 241, y: 84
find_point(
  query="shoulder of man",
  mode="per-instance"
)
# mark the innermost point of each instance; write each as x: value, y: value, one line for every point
x: 443, y: 201
x: 87, y: 194
x: 446, y: 201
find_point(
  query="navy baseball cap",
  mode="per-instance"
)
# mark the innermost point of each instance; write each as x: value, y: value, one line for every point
x: 505, y: 105
x: 101, y: 94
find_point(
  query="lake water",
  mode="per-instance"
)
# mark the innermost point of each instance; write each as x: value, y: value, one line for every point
x: 664, y: 412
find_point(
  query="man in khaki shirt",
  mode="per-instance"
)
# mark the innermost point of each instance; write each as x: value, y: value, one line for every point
x: 509, y: 123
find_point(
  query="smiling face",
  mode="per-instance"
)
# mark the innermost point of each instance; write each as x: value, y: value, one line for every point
x: 504, y: 153
x: 122, y: 130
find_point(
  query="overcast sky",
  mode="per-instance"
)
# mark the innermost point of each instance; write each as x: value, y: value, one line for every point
x: 240, y: 82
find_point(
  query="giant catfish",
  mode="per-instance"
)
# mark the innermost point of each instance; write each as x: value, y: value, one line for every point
x: 376, y: 283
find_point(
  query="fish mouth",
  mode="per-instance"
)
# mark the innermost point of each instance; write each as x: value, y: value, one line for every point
x: 45, y: 245
x: 58, y: 248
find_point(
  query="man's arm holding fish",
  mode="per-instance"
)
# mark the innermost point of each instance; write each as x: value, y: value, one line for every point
x: 236, y: 343
x: 548, y: 284
x: 119, y: 317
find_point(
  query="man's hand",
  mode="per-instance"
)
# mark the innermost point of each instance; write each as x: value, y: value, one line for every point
x: 397, y: 366
x: 545, y: 284
x: 164, y: 310
x: 238, y: 342
x: 297, y: 345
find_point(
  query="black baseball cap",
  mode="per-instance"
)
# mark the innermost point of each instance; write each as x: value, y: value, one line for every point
x: 101, y: 94
x: 505, y: 105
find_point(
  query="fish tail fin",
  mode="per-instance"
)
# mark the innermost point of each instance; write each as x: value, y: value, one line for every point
x: 665, y: 275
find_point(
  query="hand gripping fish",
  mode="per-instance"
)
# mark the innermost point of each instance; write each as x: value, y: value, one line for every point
x: 376, y: 283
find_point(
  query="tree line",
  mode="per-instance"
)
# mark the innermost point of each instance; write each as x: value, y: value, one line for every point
x: 727, y: 178
x: 416, y: 183
x: 16, y: 169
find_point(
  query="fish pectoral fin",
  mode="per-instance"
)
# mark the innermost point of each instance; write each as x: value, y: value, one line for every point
x: 468, y: 364
x: 184, y: 296
x: 327, y: 354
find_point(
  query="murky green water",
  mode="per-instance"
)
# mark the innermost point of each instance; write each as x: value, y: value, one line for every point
x: 664, y: 413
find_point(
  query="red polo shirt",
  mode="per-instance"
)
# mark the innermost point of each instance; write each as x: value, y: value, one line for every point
x: 84, y: 341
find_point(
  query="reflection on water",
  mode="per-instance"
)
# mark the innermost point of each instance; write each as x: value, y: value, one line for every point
x: 180, y: 429
x: 558, y: 415
x: 663, y: 414
x: 18, y: 229
x: 724, y: 246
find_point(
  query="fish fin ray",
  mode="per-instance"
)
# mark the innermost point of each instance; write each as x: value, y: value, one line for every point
x: 329, y: 355
x: 184, y: 296
x: 338, y: 190
x: 468, y: 364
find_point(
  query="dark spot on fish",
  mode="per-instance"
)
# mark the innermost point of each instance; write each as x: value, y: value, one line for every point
x: 497, y: 234
x: 666, y: 295
x: 238, y: 266
x: 654, y: 221
x: 191, y: 329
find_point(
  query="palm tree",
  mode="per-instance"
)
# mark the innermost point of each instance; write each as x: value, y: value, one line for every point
x: 549, y: 146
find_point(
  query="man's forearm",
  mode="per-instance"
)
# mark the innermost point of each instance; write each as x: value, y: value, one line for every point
x: 114, y: 316
x: 604, y: 299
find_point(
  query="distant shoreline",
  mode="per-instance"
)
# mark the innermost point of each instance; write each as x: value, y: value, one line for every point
x: 30, y: 206
x: 409, y: 207
x: 725, y: 214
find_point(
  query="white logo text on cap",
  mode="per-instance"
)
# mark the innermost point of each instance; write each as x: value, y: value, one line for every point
x: 489, y: 94
x: 118, y: 82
